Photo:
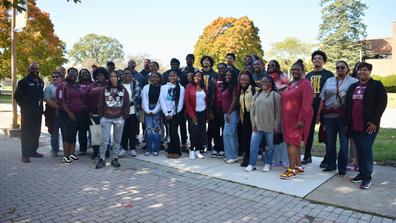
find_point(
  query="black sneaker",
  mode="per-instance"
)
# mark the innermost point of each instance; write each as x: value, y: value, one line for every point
x: 83, y: 153
x: 365, y: 184
x: 67, y: 159
x: 323, y: 165
x: 356, y: 179
x: 214, y: 154
x: 115, y: 163
x: 74, y: 157
x: 341, y: 172
x: 244, y: 163
x: 100, y: 164
x: 329, y: 169
x: 306, y: 161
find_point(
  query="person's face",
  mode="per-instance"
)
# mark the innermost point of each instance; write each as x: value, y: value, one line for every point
x: 34, y: 69
x: 257, y: 66
x: 341, y: 69
x: 230, y: 59
x: 297, y: 72
x: 113, y: 79
x: 146, y: 64
x: 100, y: 78
x: 249, y: 68
x: 271, y: 67
x: 189, y: 60
x: 153, y: 67
x: 155, y: 79
x: 228, y: 77
x: 248, y: 60
x: 244, y: 81
x: 85, y: 75
x: 175, y: 66
x: 222, y: 69
x: 72, y: 75
x: 173, y: 77
x: 190, y: 77
x: 318, y: 61
x: 132, y: 64
x: 55, y: 78
x: 265, y: 84
x: 206, y: 63
x: 127, y: 76
x: 197, y: 78
x: 110, y: 68
x: 364, y: 74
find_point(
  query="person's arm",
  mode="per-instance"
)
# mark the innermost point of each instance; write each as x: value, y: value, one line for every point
x: 163, y: 102
x: 61, y: 94
x: 277, y: 111
x: 181, y: 99
x: 306, y: 106
x: 253, y: 115
x: 145, y: 105
x: 233, y: 104
x: 126, y: 104
x: 48, y: 101
x: 19, y: 92
x: 187, y: 102
x: 381, y: 102
x: 101, y: 103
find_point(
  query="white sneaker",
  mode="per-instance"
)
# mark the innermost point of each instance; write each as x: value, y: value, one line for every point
x: 122, y: 153
x: 232, y: 161
x: 199, y: 155
x: 267, y: 168
x: 192, y: 155
x: 133, y: 153
x: 221, y: 154
x: 250, y: 168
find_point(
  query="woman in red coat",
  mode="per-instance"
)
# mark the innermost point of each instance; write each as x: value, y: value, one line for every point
x: 297, y: 115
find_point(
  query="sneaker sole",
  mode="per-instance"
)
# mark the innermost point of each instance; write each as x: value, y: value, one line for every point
x: 288, y: 178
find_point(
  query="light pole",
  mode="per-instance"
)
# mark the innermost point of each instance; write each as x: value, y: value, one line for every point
x: 13, y: 69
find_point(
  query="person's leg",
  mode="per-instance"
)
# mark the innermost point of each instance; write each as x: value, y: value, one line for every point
x: 82, y: 132
x: 357, y: 139
x: 218, y: 136
x: 193, y: 131
x: 149, y: 129
x: 230, y: 136
x: 118, y: 126
x: 210, y: 133
x: 25, y: 126
x: 202, y: 127
x: 106, y: 127
x: 366, y: 152
x: 183, y: 128
x: 133, y: 131
x: 269, y: 149
x: 174, y: 144
x: 245, y: 141
x: 157, y: 131
x: 332, y: 127
x: 343, y: 153
x: 308, y: 145
x: 55, y: 137
x: 254, y: 146
x: 36, y: 131
x: 126, y: 132
x: 283, y: 154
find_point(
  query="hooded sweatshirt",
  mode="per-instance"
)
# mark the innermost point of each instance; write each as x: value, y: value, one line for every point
x: 168, y: 99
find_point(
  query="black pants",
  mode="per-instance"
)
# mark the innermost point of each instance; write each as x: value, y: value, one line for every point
x: 95, y: 149
x: 82, y: 132
x: 215, y: 129
x: 129, y: 132
x: 308, y: 146
x: 197, y: 131
x: 246, y: 135
x: 30, y: 132
x: 174, y: 143
x: 183, y: 127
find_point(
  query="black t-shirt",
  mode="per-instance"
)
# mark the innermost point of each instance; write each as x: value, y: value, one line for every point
x: 153, y: 94
x: 318, y: 79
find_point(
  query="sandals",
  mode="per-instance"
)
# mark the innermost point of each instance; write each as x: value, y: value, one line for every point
x: 299, y: 170
x: 288, y: 174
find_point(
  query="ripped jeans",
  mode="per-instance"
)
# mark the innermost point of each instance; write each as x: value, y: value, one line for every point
x: 153, y: 131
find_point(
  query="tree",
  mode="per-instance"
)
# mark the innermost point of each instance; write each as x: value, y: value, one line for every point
x: 288, y: 51
x: 18, y: 4
x: 97, y: 47
x: 229, y: 35
x: 342, y: 29
x: 37, y: 42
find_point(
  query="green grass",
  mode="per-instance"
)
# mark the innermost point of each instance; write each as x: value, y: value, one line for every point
x: 391, y: 100
x: 384, y: 147
x: 5, y: 99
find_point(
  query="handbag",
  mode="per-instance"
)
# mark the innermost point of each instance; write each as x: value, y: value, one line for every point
x: 96, y: 133
x: 278, y: 137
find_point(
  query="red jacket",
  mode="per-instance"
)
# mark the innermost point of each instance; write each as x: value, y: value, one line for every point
x: 190, y: 100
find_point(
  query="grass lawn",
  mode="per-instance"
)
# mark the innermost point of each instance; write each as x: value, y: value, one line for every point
x: 391, y: 100
x: 5, y: 99
x: 384, y: 147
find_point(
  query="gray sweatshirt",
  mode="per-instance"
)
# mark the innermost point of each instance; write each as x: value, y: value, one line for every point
x: 266, y: 111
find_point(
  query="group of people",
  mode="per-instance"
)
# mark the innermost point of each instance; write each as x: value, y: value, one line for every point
x: 231, y: 113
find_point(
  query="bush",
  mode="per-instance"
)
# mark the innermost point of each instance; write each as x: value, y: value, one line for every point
x: 388, y: 81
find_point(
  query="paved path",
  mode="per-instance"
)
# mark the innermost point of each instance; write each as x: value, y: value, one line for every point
x: 48, y: 191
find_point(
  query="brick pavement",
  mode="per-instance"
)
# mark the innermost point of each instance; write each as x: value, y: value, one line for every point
x: 48, y: 191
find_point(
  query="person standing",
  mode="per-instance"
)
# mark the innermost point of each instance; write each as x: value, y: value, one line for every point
x: 230, y: 57
x: 318, y: 78
x: 114, y: 109
x: 366, y: 101
x: 51, y: 112
x: 195, y: 101
x: 131, y: 125
x: 172, y: 101
x: 84, y: 81
x: 29, y: 96
x: 297, y: 115
x: 258, y: 72
x: 331, y: 108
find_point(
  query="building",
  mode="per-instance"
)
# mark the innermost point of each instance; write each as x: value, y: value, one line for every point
x: 383, y: 54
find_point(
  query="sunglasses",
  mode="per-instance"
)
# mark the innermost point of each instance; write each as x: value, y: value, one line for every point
x: 340, y: 68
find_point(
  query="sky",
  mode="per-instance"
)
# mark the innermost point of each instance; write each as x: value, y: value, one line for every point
x: 167, y: 29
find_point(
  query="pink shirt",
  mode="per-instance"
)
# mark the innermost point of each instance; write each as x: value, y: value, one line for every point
x: 357, y: 108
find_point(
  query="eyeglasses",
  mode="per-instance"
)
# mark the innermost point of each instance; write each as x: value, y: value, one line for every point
x: 55, y: 76
x: 340, y: 68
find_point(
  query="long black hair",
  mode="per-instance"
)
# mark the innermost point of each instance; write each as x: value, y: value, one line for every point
x: 101, y: 70
x: 79, y: 75
x: 201, y: 83
x: 119, y: 85
x: 176, y: 90
x: 233, y: 83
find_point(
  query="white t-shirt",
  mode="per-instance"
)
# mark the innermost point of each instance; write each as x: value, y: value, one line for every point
x: 132, y: 107
x: 200, y: 102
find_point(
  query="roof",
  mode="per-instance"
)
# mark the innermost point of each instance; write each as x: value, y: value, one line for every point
x: 379, y: 46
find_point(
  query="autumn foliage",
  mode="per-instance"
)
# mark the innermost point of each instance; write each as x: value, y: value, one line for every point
x: 224, y: 35
x: 37, y: 42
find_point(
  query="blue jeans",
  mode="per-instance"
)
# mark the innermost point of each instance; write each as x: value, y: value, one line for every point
x: 280, y: 154
x: 118, y: 126
x: 230, y: 136
x: 364, y: 148
x: 333, y: 127
x: 55, y: 136
x: 255, y: 144
x: 153, y: 132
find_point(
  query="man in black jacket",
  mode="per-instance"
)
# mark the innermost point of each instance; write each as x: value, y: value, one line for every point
x: 29, y: 97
